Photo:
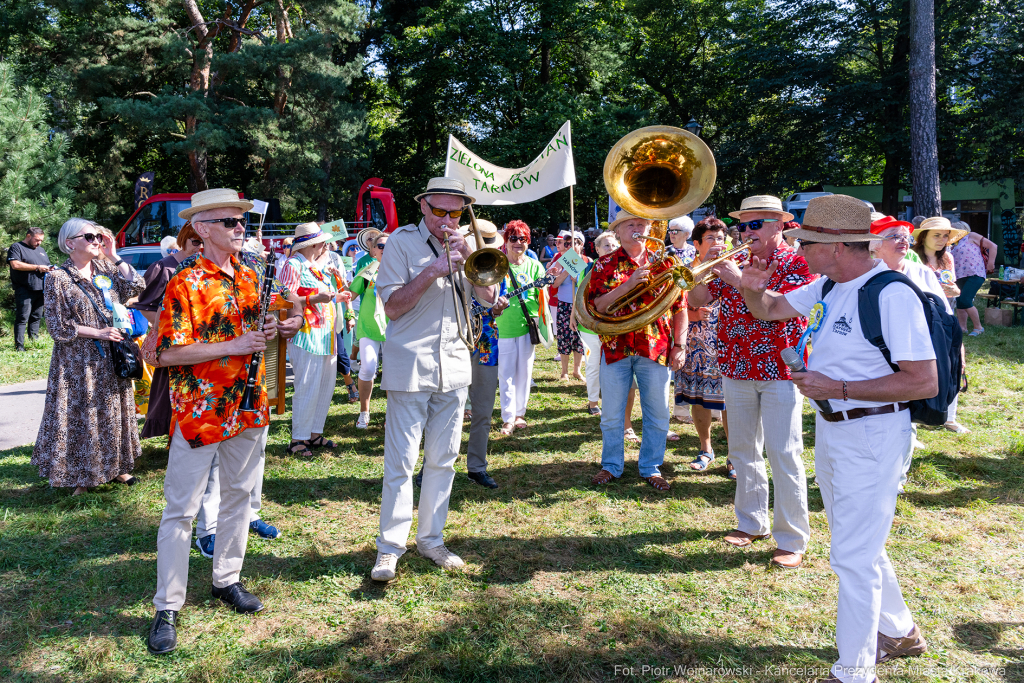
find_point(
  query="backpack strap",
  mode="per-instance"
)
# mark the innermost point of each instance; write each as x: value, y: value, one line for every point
x: 827, y: 287
x: 870, y: 312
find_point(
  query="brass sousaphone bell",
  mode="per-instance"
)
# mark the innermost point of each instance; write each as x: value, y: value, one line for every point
x: 656, y: 173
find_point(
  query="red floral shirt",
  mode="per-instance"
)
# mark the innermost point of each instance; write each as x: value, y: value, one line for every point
x: 749, y: 348
x: 203, y: 304
x: 653, y: 341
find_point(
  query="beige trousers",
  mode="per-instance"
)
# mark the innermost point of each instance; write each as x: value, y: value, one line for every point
x: 188, y: 470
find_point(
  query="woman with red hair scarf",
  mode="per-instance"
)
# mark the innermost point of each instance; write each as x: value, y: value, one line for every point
x: 515, y: 350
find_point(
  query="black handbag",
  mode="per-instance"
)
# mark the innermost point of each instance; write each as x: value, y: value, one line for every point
x: 124, y: 355
x: 531, y: 323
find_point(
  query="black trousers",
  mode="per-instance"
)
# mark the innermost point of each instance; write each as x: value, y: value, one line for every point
x: 28, y: 311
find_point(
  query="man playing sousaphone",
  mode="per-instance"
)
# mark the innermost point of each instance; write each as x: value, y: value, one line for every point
x: 427, y: 373
x: 371, y: 322
x: 641, y: 355
x: 209, y: 329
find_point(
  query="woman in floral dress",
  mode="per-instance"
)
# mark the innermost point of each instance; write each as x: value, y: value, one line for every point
x: 88, y: 434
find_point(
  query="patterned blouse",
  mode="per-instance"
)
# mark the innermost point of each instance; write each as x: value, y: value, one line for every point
x: 204, y: 304
x: 487, y: 343
x: 652, y: 342
x: 317, y: 332
x: 749, y: 348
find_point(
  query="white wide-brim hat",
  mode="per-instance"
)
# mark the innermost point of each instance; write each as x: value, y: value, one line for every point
x: 308, y: 234
x: 443, y: 185
x: 218, y: 198
x: 762, y: 202
x: 941, y: 223
x: 835, y: 218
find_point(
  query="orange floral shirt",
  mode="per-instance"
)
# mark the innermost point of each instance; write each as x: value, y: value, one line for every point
x: 204, y: 304
x: 652, y: 342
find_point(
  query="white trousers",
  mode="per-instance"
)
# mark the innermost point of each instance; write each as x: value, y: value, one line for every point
x: 436, y: 418
x: 314, y: 378
x: 188, y: 471
x: 206, y: 520
x: 766, y: 416
x: 857, y: 466
x: 592, y: 344
x: 369, y: 356
x: 515, y: 370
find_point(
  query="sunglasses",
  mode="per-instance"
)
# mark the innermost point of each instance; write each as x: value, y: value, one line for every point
x: 675, y: 231
x: 88, y: 237
x: 441, y: 213
x: 755, y: 225
x: 517, y: 238
x: 380, y: 245
x: 229, y: 223
x: 807, y: 243
x: 196, y: 243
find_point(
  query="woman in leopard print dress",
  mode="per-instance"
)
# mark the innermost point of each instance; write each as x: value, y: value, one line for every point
x: 88, y: 435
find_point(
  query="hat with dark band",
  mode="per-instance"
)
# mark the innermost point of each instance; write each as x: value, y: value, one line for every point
x: 762, y: 202
x: 444, y: 185
x: 835, y: 218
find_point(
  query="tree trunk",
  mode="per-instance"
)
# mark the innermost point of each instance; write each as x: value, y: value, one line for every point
x: 199, y: 82
x: 924, y: 155
x: 891, y: 183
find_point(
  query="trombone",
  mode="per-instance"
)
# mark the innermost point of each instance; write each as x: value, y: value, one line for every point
x: 486, y: 266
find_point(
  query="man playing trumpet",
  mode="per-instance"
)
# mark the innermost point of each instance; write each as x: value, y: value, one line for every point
x: 641, y: 355
x: 426, y: 375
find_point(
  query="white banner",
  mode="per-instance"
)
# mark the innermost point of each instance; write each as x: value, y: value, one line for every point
x: 492, y: 185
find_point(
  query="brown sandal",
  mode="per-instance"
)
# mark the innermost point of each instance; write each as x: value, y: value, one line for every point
x: 658, y: 482
x: 602, y: 477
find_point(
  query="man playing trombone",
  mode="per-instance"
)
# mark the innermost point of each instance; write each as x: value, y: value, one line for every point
x: 426, y: 373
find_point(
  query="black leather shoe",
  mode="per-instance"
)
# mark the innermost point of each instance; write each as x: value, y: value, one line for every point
x: 163, y: 636
x: 240, y: 599
x: 483, y: 479
x: 418, y: 479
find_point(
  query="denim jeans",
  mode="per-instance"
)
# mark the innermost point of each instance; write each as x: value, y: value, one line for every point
x: 652, y: 382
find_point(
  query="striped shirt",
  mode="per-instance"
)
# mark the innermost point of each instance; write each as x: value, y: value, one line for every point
x: 317, y: 333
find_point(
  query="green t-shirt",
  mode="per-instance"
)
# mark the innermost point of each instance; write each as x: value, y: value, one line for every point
x: 368, y: 323
x: 912, y: 256
x: 511, y: 323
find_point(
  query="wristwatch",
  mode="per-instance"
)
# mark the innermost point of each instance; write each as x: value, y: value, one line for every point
x: 118, y: 262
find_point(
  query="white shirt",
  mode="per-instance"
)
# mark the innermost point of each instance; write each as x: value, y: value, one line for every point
x: 839, y: 349
x: 926, y: 280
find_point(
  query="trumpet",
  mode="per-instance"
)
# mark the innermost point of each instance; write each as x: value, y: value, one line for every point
x: 483, y: 268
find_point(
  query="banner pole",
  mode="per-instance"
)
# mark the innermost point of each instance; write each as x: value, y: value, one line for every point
x: 572, y: 211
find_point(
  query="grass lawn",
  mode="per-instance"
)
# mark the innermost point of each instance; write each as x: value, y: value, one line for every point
x: 565, y: 581
x: 33, y: 363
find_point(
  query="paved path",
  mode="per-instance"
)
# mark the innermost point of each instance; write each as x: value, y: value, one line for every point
x: 21, y: 409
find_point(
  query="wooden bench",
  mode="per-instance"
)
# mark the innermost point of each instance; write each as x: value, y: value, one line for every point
x: 990, y: 299
x: 1016, y: 306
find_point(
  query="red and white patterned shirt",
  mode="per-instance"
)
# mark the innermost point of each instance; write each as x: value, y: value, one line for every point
x: 749, y: 348
x: 652, y: 342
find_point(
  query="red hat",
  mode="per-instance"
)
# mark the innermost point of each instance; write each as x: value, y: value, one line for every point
x: 889, y: 222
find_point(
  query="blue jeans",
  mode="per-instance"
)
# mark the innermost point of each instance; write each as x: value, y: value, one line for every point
x: 652, y: 381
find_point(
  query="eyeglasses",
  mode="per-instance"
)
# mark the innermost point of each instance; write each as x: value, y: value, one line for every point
x: 898, y: 238
x: 806, y: 243
x: 517, y: 238
x: 88, y: 237
x: 676, y: 231
x: 229, y: 223
x: 441, y: 213
x: 380, y: 245
x: 755, y: 225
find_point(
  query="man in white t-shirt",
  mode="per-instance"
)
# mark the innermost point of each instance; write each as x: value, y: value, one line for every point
x: 860, y: 444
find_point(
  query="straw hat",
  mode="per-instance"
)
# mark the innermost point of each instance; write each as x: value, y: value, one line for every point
x: 941, y: 223
x: 219, y: 198
x: 878, y: 225
x: 835, y: 218
x: 367, y: 238
x: 492, y: 239
x: 621, y: 217
x: 443, y: 185
x: 308, y: 234
x: 762, y: 202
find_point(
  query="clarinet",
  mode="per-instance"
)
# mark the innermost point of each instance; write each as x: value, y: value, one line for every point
x: 249, y: 396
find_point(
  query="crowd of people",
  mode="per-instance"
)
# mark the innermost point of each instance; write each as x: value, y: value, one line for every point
x: 721, y: 344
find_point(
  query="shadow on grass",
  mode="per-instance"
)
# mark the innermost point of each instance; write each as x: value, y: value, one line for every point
x: 1002, y: 479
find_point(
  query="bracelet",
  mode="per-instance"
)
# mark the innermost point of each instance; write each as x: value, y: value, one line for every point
x: 118, y: 262
x: 845, y: 396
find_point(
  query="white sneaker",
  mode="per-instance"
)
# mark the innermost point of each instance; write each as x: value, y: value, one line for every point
x: 956, y: 428
x: 384, y: 569
x: 364, y: 421
x: 442, y: 557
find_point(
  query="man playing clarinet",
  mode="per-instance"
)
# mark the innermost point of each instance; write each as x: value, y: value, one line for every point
x: 209, y: 329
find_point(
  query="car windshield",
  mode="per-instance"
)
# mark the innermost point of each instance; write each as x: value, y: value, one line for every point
x: 156, y: 221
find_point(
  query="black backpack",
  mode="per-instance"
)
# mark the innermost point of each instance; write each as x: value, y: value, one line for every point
x: 947, y: 340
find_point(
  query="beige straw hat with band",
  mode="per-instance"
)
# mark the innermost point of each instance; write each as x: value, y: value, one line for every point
x: 941, y: 223
x: 835, y: 218
x: 492, y: 239
x: 309, y: 234
x: 444, y: 185
x: 217, y: 198
x: 762, y: 202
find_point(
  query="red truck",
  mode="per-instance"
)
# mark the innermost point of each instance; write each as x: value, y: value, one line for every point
x: 139, y: 240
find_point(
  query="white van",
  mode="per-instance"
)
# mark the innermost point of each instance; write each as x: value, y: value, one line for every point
x: 796, y: 203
